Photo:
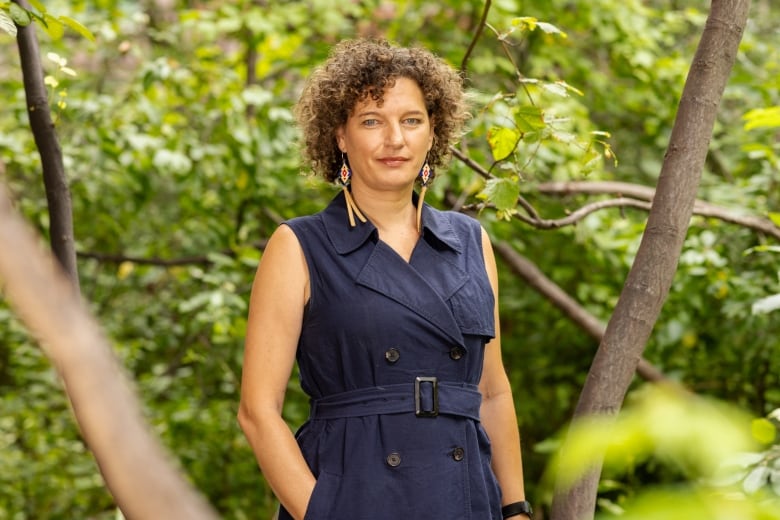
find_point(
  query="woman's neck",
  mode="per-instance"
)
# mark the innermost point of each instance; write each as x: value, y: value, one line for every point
x: 389, y: 210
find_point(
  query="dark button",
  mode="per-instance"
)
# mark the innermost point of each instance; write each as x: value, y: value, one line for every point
x: 457, y: 352
x: 394, y: 459
x: 458, y: 454
x: 392, y: 355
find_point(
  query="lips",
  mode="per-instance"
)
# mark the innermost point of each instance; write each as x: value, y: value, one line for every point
x: 393, y: 161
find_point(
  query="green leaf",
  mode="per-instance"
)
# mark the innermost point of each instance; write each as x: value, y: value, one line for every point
x: 529, y: 118
x: 502, y: 192
x: 775, y: 218
x: 7, y: 24
x: 78, y: 27
x: 53, y: 26
x: 590, y: 161
x: 763, y: 430
x: 20, y: 16
x: 38, y: 5
x: 762, y: 118
x: 531, y: 23
x: 502, y: 141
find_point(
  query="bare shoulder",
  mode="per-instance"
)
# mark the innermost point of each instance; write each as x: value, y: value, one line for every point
x: 283, y: 265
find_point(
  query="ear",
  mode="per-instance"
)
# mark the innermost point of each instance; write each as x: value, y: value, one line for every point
x: 432, y: 137
x: 341, y: 140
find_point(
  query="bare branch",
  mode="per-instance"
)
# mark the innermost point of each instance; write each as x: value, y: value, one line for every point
x: 477, y: 34
x: 700, y: 207
x: 54, y: 179
x: 536, y: 279
x: 623, y: 190
x: 573, y: 217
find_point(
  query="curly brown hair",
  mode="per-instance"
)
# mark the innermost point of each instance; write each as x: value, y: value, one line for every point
x: 357, y: 69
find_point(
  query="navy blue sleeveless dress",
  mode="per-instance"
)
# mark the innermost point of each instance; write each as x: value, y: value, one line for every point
x: 391, y: 354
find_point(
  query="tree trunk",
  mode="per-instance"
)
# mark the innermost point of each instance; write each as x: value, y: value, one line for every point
x: 133, y: 463
x: 651, y: 275
x: 54, y: 179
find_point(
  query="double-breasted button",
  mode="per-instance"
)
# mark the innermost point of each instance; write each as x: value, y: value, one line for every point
x: 457, y: 352
x: 458, y: 454
x: 393, y: 460
x: 392, y: 355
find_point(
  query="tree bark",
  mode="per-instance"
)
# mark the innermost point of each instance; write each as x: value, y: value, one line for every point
x: 134, y: 465
x: 61, y: 234
x: 651, y: 275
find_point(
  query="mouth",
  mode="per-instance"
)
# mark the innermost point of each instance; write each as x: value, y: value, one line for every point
x: 393, y: 161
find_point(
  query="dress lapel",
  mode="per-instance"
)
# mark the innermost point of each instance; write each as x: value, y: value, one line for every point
x: 389, y: 274
x: 425, y: 284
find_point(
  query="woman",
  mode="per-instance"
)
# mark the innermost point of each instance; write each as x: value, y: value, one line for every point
x: 389, y: 307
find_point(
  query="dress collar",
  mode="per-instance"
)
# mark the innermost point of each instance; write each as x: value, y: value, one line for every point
x: 437, y: 227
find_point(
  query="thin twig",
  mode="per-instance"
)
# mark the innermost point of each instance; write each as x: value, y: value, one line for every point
x: 480, y: 28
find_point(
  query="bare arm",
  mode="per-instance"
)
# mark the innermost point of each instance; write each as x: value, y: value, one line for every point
x: 498, y: 410
x: 279, y: 293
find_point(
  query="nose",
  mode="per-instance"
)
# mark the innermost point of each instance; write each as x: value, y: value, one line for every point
x: 394, y: 135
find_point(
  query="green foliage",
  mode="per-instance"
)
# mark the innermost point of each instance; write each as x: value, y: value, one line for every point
x: 709, y: 444
x: 179, y: 144
x: 53, y: 25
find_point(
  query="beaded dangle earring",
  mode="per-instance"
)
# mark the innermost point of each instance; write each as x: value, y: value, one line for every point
x: 426, y: 176
x: 345, y: 174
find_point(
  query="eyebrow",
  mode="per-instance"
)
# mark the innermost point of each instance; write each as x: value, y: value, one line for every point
x: 375, y: 113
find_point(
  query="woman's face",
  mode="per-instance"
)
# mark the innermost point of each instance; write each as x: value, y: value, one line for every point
x: 386, y: 145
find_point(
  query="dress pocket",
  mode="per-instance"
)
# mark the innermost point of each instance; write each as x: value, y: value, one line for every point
x: 323, y: 497
x: 472, y: 306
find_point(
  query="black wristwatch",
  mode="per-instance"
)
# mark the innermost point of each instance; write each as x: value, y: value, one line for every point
x: 517, y: 508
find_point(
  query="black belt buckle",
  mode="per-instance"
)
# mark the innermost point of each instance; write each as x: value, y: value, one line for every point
x: 418, y: 410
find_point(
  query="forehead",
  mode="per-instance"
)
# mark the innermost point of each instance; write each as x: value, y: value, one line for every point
x: 402, y: 94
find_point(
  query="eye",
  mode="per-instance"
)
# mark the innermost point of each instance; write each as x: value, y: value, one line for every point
x: 369, y: 122
x: 412, y: 121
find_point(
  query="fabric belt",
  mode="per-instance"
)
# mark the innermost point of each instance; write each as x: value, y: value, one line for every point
x: 425, y: 397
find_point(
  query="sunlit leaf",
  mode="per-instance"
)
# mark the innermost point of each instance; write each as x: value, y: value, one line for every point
x: 650, y: 425
x: 763, y: 430
x: 53, y: 27
x: 77, y: 26
x: 691, y: 504
x: 531, y: 23
x: 775, y: 218
x: 125, y: 269
x: 502, y: 141
x: 525, y: 22
x: 37, y: 4
x: 7, y: 24
x: 762, y: 118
